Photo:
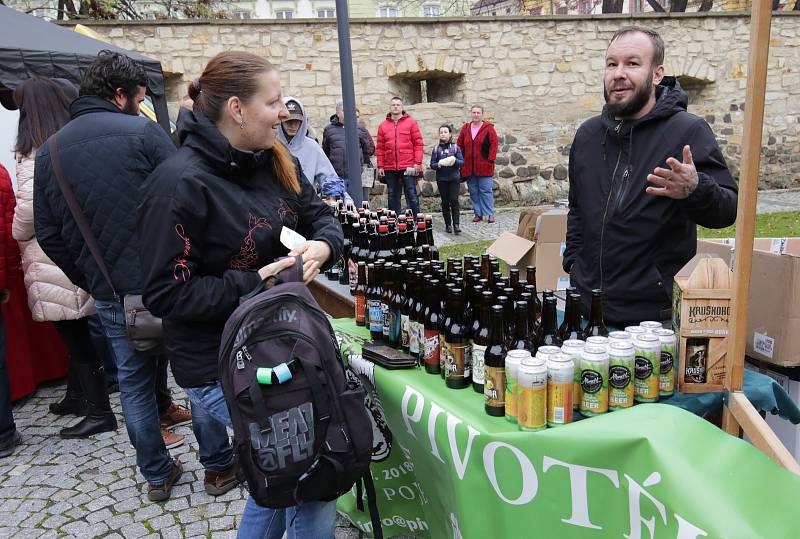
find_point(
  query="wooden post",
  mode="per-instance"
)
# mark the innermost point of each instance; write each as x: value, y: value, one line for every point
x: 748, y: 194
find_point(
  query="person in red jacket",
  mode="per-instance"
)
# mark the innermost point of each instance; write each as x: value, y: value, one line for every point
x: 400, y: 150
x: 478, y: 140
x: 9, y: 267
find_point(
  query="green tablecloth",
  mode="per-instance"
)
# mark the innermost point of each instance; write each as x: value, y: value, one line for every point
x: 651, y: 471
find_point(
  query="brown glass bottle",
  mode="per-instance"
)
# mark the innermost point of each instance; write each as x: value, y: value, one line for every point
x: 508, y: 315
x: 548, y: 335
x: 458, y: 360
x: 573, y: 329
x: 494, y: 388
x: 386, y: 299
x: 596, y: 325
x: 416, y: 318
x: 531, y: 278
x: 361, y: 295
x: 485, y: 266
x: 521, y: 339
x: 480, y: 339
x: 374, y: 297
x: 533, y: 331
x: 513, y: 279
x: 433, y: 319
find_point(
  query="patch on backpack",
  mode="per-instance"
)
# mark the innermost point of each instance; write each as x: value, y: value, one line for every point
x: 288, y: 440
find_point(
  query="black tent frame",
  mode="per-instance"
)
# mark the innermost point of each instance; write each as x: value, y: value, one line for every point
x: 32, y: 46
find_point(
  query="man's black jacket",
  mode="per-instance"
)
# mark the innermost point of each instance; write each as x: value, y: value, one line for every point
x: 106, y: 156
x: 623, y: 240
x: 334, y: 145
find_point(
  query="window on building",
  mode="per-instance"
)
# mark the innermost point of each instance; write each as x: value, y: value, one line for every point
x: 432, y: 10
x: 326, y: 13
x: 436, y: 87
x: 387, y: 11
x: 284, y: 14
x: 242, y: 15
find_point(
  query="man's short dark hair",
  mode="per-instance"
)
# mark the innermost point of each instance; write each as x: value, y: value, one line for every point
x: 112, y: 70
x: 395, y: 98
x: 655, y: 39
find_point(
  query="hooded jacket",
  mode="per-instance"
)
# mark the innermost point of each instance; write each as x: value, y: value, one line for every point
x: 313, y: 161
x: 441, y: 151
x: 480, y: 153
x: 212, y: 216
x: 623, y: 240
x: 334, y: 144
x: 400, y: 144
x: 106, y: 156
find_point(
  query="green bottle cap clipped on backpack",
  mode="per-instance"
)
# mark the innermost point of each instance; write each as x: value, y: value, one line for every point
x: 264, y: 375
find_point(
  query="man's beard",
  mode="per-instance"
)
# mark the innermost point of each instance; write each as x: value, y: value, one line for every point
x: 130, y: 107
x: 628, y: 109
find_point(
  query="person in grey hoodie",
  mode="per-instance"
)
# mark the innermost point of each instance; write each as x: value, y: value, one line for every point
x: 313, y: 161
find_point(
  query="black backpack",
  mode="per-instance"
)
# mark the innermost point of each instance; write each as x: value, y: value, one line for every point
x: 302, y: 431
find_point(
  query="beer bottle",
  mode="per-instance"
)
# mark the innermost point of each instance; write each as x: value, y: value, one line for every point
x: 417, y: 317
x: 344, y: 271
x: 384, y: 253
x: 429, y: 238
x: 494, y: 389
x: 480, y: 339
x: 365, y: 204
x: 549, y: 331
x: 496, y: 278
x: 386, y: 301
x: 361, y: 295
x: 469, y: 263
x: 696, y: 361
x: 494, y: 264
x: 573, y: 329
x: 451, y: 265
x: 420, y: 240
x: 533, y: 331
x: 407, y: 305
x: 355, y: 256
x: 459, y: 352
x: 374, y: 301
x: 531, y: 278
x: 567, y: 314
x: 446, y: 310
x: 508, y: 316
x: 513, y: 279
x: 432, y: 348
x: 426, y: 252
x: 596, y: 325
x: 521, y: 339
x: 485, y: 266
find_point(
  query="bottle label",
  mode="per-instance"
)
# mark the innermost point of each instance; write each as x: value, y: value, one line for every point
x: 394, y: 327
x: 532, y: 407
x: 361, y: 304
x: 458, y: 363
x: 646, y: 380
x: 512, y: 394
x: 352, y: 270
x: 494, y: 387
x: 478, y: 375
x: 386, y: 316
x: 375, y: 316
x: 405, y: 330
x: 559, y: 403
x: 443, y: 352
x: 431, y: 347
x: 413, y: 338
x: 594, y: 391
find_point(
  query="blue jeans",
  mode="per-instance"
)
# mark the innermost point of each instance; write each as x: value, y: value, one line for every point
x: 480, y: 193
x: 209, y: 419
x: 137, y: 381
x: 397, y: 182
x: 315, y: 520
x: 7, y: 426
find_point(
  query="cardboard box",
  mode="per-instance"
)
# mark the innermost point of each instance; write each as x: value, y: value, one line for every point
x: 789, y: 379
x: 701, y: 316
x: 527, y: 222
x: 515, y: 251
x: 551, y: 235
x: 773, y: 322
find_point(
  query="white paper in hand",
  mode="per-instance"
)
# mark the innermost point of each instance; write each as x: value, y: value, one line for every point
x: 290, y: 238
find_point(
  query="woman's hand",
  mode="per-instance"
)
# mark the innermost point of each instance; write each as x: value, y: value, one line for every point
x: 275, y: 268
x: 315, y: 253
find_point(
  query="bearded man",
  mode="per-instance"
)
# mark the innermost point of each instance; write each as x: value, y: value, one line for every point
x: 642, y: 175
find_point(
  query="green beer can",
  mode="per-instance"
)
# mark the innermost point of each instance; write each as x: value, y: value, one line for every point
x: 594, y: 381
x: 647, y: 366
x: 620, y: 374
x: 669, y: 353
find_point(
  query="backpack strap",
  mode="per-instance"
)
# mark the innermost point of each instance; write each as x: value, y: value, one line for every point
x: 372, y: 502
x: 293, y: 274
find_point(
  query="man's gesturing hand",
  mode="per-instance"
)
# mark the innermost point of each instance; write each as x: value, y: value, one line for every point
x: 679, y: 181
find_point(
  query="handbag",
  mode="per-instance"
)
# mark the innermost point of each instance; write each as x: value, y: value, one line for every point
x: 367, y: 176
x: 143, y: 329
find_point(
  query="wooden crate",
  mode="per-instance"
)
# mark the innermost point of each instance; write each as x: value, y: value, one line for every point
x: 701, y: 310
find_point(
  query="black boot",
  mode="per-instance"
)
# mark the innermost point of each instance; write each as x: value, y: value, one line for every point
x: 99, y: 418
x: 73, y: 402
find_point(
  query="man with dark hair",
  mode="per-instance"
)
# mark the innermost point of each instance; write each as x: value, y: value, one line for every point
x: 106, y: 152
x: 334, y: 143
x: 642, y: 176
x: 399, y: 151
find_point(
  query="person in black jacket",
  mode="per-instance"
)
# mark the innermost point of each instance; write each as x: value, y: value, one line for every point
x: 106, y: 151
x: 447, y: 160
x: 213, y: 215
x: 642, y: 176
x: 334, y: 143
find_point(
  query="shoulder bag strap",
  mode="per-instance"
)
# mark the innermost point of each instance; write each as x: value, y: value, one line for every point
x: 77, y: 213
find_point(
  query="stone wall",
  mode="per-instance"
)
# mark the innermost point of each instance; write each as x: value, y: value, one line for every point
x: 538, y: 78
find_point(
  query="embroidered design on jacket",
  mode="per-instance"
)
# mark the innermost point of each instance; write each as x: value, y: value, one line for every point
x: 247, y: 253
x: 286, y: 212
x: 181, y: 271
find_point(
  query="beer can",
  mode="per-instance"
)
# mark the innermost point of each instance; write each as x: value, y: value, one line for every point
x: 635, y: 330
x: 546, y: 352
x: 597, y: 340
x: 560, y: 376
x: 646, y: 382
x: 620, y: 336
x: 573, y: 348
x: 669, y: 353
x: 513, y: 360
x: 621, y: 356
x: 651, y: 326
x: 532, y: 400
x: 594, y: 380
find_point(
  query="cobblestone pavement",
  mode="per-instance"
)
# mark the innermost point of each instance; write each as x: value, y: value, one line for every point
x: 91, y: 488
